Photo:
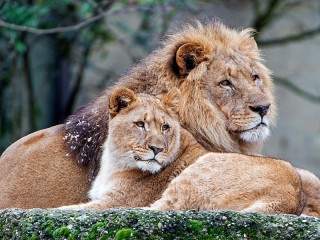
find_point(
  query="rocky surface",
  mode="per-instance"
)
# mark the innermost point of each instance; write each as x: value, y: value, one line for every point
x: 140, y: 224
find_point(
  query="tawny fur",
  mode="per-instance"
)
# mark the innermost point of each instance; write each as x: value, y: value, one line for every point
x: 194, y: 59
x: 28, y: 181
x: 229, y: 181
x: 311, y: 187
x: 201, y: 180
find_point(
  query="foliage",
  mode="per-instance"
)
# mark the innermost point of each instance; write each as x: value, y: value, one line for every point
x: 17, y: 53
x: 66, y: 54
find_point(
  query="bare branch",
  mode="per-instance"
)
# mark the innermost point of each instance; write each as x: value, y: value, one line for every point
x: 297, y: 90
x: 118, y: 38
x: 289, y: 39
x: 263, y: 19
x: 78, y: 81
x: 2, y: 4
x: 105, y: 6
x: 29, y: 84
x: 73, y: 27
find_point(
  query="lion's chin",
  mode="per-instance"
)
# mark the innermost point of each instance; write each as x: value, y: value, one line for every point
x: 257, y: 134
x: 149, y: 166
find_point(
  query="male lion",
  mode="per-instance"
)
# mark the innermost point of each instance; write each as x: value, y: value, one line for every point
x: 228, y: 105
x: 146, y: 150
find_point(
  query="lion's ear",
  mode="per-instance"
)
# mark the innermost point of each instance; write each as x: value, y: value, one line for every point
x: 172, y: 99
x: 120, y: 98
x: 189, y: 56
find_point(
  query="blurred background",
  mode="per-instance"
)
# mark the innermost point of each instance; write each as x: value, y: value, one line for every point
x: 57, y: 55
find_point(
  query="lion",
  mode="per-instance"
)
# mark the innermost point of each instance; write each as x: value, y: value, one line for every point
x: 228, y: 100
x: 147, y: 153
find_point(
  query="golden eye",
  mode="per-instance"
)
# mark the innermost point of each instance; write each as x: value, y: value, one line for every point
x: 255, y: 77
x: 165, y: 127
x: 139, y: 124
x: 225, y: 83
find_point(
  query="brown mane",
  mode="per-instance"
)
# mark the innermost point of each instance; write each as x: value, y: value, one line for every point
x: 87, y: 129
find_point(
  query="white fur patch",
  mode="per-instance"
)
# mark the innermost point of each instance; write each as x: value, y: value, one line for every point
x: 255, y: 135
x: 150, y: 166
x: 103, y: 182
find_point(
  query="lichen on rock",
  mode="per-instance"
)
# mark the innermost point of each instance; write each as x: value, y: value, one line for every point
x: 140, y: 224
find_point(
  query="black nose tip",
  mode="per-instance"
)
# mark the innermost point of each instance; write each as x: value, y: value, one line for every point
x: 261, y: 109
x: 156, y: 150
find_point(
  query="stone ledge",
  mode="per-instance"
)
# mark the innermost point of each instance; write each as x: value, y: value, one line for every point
x: 140, y: 224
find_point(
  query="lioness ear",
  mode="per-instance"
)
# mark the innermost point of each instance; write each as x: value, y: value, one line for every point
x: 120, y: 98
x: 189, y: 56
x: 172, y: 99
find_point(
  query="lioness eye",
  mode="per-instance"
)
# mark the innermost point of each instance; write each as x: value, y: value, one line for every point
x: 255, y: 77
x: 165, y: 127
x: 226, y: 83
x: 139, y: 124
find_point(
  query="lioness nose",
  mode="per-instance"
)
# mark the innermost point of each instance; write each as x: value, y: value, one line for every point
x: 156, y: 150
x: 261, y: 109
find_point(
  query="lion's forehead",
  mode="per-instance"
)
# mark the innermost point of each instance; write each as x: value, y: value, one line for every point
x: 235, y: 60
x: 154, y: 118
x: 239, y: 69
x: 151, y: 114
x: 235, y: 69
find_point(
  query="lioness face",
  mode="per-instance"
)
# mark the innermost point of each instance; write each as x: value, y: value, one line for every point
x: 145, y: 134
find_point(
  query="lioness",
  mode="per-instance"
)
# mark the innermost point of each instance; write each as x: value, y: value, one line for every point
x: 146, y: 149
x: 228, y: 105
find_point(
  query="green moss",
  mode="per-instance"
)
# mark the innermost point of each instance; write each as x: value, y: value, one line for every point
x: 92, y: 235
x: 64, y: 231
x: 196, y: 226
x: 48, y: 227
x: 61, y: 232
x: 123, y: 233
x: 104, y: 237
x: 98, y: 225
x: 96, y: 231
x: 138, y: 224
x: 73, y: 235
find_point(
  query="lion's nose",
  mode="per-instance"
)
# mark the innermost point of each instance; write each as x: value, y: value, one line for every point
x: 155, y: 150
x: 261, y: 109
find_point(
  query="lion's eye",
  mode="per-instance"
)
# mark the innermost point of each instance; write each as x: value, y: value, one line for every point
x: 139, y: 124
x: 226, y: 83
x: 255, y: 77
x: 165, y: 127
